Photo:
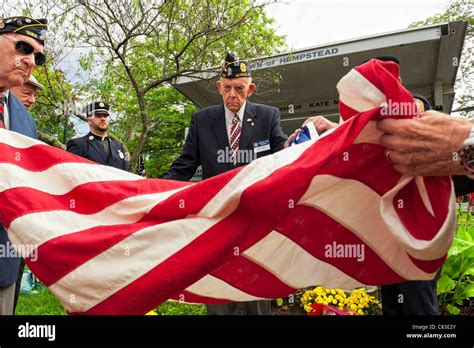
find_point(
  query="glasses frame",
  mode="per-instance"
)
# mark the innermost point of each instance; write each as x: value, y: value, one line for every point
x: 40, y: 57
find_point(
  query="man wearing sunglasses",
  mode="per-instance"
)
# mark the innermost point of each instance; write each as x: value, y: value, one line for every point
x: 21, y: 47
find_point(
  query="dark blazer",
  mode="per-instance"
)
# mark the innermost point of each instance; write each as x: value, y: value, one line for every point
x: 20, y: 122
x: 207, y: 141
x: 462, y: 185
x: 90, y: 147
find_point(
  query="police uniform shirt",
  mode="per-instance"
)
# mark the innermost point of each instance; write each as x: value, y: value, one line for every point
x: 104, y: 141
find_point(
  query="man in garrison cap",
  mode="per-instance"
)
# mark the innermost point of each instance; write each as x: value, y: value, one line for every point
x: 28, y: 92
x: 97, y: 146
x: 229, y: 135
x: 21, y: 47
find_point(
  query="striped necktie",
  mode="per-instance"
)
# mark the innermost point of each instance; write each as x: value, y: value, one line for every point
x: 3, y: 98
x: 235, y: 135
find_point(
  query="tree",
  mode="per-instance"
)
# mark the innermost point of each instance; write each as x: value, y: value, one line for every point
x: 138, y: 46
x: 460, y: 10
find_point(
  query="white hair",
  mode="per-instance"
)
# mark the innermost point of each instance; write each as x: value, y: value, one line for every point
x: 249, y: 79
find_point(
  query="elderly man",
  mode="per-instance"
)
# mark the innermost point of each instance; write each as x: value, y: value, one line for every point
x: 226, y: 136
x: 28, y: 92
x: 21, y: 44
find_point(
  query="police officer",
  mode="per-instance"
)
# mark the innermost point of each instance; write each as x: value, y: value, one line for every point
x: 97, y: 145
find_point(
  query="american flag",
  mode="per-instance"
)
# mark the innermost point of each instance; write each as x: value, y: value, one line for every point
x: 111, y: 242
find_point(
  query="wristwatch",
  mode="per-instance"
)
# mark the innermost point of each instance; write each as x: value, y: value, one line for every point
x: 466, y: 155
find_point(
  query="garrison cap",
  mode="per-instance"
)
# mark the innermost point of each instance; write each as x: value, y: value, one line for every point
x: 34, y: 28
x: 232, y: 69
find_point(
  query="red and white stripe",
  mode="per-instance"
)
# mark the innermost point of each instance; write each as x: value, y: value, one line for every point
x: 110, y: 242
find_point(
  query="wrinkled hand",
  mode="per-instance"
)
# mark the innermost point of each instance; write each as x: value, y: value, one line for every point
x: 291, y: 137
x: 320, y: 123
x: 426, y: 146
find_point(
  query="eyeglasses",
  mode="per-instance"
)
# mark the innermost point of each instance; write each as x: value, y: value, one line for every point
x: 25, y: 48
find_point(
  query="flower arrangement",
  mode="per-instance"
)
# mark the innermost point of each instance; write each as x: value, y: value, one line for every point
x: 325, y: 301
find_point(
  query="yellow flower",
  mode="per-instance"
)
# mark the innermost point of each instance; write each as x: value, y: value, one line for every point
x: 334, y: 301
x: 360, y: 312
x: 333, y: 292
x: 353, y: 308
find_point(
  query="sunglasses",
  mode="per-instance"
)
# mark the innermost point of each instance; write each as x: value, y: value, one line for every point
x: 25, y: 48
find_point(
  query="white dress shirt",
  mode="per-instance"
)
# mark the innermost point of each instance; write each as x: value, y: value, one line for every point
x: 6, y: 114
x: 229, y: 116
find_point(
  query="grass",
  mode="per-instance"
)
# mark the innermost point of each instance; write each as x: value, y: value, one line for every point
x: 40, y: 304
x: 46, y: 304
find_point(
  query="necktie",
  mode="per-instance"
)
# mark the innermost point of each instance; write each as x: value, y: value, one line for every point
x: 3, y: 98
x: 235, y: 135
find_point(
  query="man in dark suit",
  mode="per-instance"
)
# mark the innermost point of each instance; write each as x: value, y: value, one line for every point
x: 26, y: 94
x: 21, y: 44
x: 226, y: 136
x: 97, y: 146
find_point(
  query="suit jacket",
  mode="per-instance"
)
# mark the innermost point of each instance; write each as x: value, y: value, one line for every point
x: 90, y: 147
x: 20, y: 122
x: 207, y: 143
x: 462, y: 185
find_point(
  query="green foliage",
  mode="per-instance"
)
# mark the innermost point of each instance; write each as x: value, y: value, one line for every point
x: 137, y: 48
x: 456, y: 283
x: 177, y: 308
x: 51, y: 108
x: 460, y: 10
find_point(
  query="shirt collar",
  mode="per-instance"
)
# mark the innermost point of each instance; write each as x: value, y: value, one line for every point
x: 98, y: 137
x: 240, y: 113
x: 7, y: 94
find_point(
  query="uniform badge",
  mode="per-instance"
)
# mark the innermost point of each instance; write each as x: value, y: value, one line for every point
x: 243, y: 67
x: 121, y: 155
x: 2, y: 25
x: 91, y: 137
x: 101, y: 105
x: 27, y: 20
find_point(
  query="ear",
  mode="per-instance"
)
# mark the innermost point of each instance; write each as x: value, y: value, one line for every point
x: 252, y: 88
x: 219, y: 86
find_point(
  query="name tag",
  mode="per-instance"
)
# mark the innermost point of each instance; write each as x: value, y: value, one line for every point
x: 260, y: 146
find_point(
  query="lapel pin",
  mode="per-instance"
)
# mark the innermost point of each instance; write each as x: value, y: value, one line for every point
x: 91, y: 137
x: 252, y: 124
